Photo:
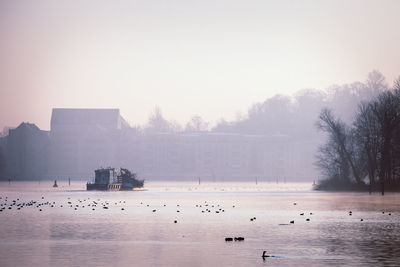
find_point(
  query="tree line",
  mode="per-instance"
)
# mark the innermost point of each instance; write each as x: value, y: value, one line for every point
x: 293, y: 115
x: 365, y: 153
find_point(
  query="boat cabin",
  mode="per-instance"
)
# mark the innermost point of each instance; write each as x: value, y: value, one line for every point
x: 105, y: 176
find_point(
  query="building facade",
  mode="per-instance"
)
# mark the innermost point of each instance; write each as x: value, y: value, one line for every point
x: 82, y: 140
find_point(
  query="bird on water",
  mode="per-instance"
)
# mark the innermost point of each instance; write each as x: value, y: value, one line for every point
x: 264, y: 255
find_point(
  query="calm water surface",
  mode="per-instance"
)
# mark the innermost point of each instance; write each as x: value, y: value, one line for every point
x: 138, y: 227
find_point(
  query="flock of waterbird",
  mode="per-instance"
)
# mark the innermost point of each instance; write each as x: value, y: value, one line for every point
x: 40, y: 204
x: 9, y: 204
x: 205, y: 207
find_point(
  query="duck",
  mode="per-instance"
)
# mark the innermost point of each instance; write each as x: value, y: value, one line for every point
x: 264, y: 255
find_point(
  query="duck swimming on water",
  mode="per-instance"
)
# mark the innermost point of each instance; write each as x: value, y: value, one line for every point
x: 264, y: 255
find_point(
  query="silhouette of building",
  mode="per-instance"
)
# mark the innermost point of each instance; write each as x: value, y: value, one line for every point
x: 223, y: 156
x: 3, y: 165
x: 82, y: 140
x: 25, y: 152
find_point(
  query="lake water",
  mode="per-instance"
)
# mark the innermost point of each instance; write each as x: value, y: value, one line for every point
x: 138, y: 228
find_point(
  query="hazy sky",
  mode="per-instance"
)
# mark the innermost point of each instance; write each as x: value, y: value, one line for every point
x: 211, y: 58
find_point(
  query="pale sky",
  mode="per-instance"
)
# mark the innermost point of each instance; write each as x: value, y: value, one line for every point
x: 211, y: 58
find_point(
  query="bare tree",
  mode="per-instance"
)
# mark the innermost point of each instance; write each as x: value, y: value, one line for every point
x: 339, y: 139
x: 332, y: 164
x: 157, y: 123
x: 196, y: 124
x: 396, y: 85
x: 366, y: 129
x: 387, y: 110
x: 375, y: 84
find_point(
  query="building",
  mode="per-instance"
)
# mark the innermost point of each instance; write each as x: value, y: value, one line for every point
x: 26, y: 152
x: 83, y: 140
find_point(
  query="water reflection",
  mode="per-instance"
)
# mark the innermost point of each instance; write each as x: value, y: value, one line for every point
x: 140, y: 237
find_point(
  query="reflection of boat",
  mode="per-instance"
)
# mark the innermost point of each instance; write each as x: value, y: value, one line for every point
x: 112, y: 179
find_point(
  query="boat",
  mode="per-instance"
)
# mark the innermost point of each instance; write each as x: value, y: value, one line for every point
x: 114, y: 179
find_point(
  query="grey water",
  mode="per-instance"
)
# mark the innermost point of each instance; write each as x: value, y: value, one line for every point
x: 68, y: 226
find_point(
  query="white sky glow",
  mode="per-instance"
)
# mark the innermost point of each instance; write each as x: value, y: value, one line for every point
x: 211, y: 58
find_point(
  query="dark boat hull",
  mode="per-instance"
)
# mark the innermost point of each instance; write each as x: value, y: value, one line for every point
x: 109, y: 187
x: 103, y: 187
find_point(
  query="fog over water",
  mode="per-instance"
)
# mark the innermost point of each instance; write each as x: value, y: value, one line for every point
x: 236, y: 114
x: 138, y: 227
x: 276, y: 141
